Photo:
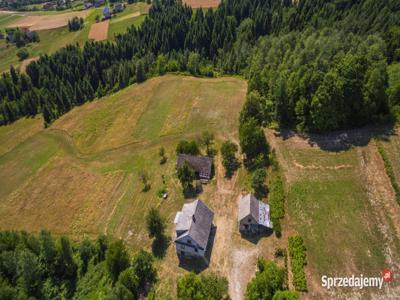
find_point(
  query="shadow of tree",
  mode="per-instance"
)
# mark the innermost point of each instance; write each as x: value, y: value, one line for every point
x: 341, y: 140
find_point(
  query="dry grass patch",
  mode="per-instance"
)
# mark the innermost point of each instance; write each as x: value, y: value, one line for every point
x: 63, y: 197
x: 13, y: 134
x: 99, y: 31
x: 47, y: 21
x: 202, y: 3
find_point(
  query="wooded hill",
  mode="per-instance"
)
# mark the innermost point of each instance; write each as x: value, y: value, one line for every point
x: 314, y: 65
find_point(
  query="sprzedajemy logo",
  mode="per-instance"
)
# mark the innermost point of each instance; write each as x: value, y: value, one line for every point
x: 360, y: 281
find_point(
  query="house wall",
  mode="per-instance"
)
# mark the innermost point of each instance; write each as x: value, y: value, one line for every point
x: 248, y: 224
x: 186, y: 247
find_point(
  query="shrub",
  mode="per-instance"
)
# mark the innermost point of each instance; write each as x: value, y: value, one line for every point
x: 297, y: 253
x: 22, y: 54
x: 229, y: 160
x: 389, y: 172
x: 187, y: 147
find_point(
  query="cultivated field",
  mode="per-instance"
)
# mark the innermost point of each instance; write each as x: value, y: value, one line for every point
x: 202, y: 3
x: 99, y: 31
x: 44, y: 22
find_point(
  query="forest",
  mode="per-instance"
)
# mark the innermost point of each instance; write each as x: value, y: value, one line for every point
x: 45, y: 267
x: 311, y: 65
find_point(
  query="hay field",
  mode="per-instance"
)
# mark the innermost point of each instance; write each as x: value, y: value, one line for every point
x: 80, y: 176
x: 202, y: 3
x: 43, y: 22
x: 99, y: 31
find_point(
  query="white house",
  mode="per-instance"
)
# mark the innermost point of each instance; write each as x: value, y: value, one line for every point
x: 193, y: 227
x: 253, y: 215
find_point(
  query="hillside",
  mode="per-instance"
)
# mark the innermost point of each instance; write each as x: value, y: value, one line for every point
x: 80, y: 177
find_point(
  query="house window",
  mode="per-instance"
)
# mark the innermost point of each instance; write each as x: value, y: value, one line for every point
x: 249, y: 220
x: 189, y: 242
x: 183, y: 253
x: 195, y: 250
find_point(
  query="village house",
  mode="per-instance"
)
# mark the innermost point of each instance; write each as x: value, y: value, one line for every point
x: 106, y: 13
x: 119, y: 8
x: 253, y: 215
x: 202, y: 165
x: 193, y: 228
x: 98, y: 3
x: 88, y: 5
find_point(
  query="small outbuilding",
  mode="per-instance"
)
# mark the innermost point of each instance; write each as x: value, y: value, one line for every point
x: 253, y: 215
x: 193, y: 228
x: 202, y: 165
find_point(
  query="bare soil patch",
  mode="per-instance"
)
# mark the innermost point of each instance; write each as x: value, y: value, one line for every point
x: 26, y: 62
x: 202, y: 3
x: 99, y: 31
x: 47, y: 21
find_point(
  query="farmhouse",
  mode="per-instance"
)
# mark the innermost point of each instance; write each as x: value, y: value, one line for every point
x: 193, y: 227
x: 88, y: 5
x: 98, y: 3
x: 202, y: 165
x: 106, y: 13
x: 119, y: 8
x: 253, y: 215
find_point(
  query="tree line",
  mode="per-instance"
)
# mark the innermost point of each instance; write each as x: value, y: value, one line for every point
x: 174, y: 38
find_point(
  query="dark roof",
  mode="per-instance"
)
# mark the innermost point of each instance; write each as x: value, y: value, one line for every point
x: 195, y: 220
x: 200, y: 164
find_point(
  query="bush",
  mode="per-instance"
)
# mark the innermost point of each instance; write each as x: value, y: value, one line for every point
x: 187, y: 147
x: 276, y: 201
x: 389, y: 172
x: 210, y: 286
x: 268, y: 280
x: 229, y: 160
x: 75, y: 24
x: 155, y: 223
x: 22, y: 54
x: 258, y: 183
x: 297, y: 253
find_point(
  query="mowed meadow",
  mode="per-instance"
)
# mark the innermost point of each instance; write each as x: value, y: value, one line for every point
x: 80, y: 177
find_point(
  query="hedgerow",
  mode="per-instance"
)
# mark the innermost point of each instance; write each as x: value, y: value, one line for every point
x: 297, y: 253
x: 389, y: 172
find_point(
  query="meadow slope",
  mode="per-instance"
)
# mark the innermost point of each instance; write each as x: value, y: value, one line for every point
x: 80, y: 177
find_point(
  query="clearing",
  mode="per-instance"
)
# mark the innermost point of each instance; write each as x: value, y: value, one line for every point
x: 202, y: 3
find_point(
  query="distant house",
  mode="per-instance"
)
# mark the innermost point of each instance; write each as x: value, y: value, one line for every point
x: 193, y: 228
x: 98, y: 3
x: 202, y: 165
x: 119, y: 8
x: 88, y: 5
x: 106, y: 12
x: 49, y: 5
x: 253, y: 215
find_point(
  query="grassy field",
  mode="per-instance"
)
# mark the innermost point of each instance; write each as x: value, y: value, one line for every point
x: 53, y: 39
x: 333, y: 206
x: 97, y: 150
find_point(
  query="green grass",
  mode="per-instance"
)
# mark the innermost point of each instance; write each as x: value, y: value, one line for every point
x: 50, y: 41
x: 389, y: 171
x: 121, y: 134
x: 119, y: 27
x: 334, y: 217
x: 7, y: 19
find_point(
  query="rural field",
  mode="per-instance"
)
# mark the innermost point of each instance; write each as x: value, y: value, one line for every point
x: 54, y: 33
x: 80, y: 177
x: 202, y: 3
